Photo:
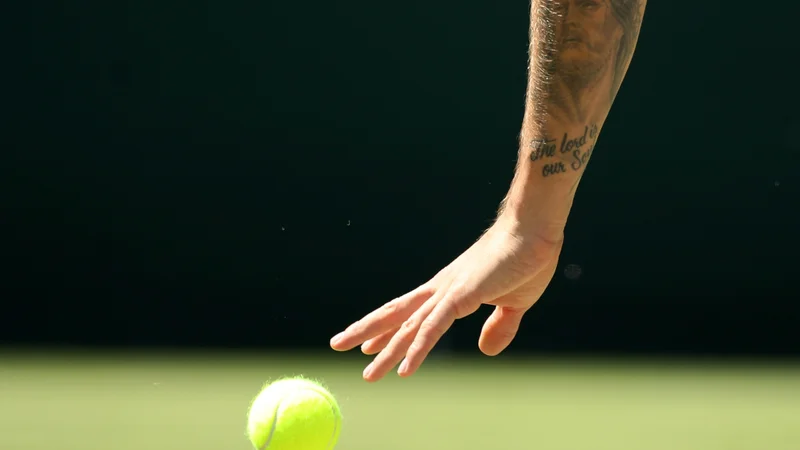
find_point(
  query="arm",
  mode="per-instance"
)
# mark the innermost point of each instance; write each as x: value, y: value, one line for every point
x: 580, y: 51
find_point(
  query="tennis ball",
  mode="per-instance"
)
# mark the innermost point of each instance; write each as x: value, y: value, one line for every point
x: 294, y: 414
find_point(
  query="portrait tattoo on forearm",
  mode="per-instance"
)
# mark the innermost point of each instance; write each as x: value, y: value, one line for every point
x: 580, y: 51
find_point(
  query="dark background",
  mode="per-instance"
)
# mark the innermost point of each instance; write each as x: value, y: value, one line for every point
x: 260, y: 174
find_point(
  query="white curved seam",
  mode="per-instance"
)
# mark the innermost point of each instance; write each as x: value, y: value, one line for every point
x: 273, y: 426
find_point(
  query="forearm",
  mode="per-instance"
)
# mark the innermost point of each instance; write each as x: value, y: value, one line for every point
x: 579, y: 54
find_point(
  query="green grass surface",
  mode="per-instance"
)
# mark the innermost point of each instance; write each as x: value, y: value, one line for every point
x: 80, y: 402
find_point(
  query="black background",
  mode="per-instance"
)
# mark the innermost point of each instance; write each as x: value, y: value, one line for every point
x: 260, y: 174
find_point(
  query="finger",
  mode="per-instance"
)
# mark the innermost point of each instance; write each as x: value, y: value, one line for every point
x: 435, y: 326
x: 396, y: 349
x: 390, y: 315
x: 378, y: 343
x: 500, y: 329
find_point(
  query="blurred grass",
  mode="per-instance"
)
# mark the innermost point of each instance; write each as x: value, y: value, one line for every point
x: 80, y: 401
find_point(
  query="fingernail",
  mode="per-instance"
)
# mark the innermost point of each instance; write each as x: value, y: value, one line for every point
x: 403, y: 367
x: 367, y: 371
x: 335, y: 340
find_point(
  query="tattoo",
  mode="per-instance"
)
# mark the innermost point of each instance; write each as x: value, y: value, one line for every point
x: 580, y: 52
x: 584, y: 48
x: 568, y: 153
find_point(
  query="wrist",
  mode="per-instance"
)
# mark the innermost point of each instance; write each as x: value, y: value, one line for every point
x: 534, y: 208
x: 538, y: 203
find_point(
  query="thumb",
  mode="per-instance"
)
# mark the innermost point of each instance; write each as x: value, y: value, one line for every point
x: 500, y: 329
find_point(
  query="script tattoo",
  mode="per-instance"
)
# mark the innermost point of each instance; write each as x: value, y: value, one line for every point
x: 568, y: 153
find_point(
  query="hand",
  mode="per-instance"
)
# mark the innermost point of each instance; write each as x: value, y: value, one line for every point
x: 508, y: 267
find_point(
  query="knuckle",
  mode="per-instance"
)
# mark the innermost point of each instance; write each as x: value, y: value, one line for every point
x: 462, y: 307
x: 459, y: 309
x: 460, y: 301
x: 408, y: 326
x: 458, y: 289
x: 391, y: 308
x: 428, y: 289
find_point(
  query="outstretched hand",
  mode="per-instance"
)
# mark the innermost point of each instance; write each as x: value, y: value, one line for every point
x: 507, y: 267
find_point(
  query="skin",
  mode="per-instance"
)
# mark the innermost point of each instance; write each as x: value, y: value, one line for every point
x: 587, y: 37
x: 579, y: 51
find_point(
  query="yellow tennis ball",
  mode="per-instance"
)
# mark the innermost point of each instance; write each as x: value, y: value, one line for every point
x: 294, y: 414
